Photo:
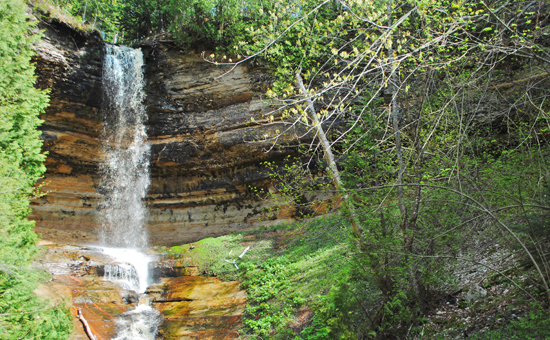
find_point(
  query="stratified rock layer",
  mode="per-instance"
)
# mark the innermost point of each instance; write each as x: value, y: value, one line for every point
x: 69, y: 63
x: 203, y: 160
x: 197, y: 307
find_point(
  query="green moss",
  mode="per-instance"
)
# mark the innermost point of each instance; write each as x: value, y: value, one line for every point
x: 210, y: 254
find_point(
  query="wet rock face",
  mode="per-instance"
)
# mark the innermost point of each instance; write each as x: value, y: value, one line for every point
x: 197, y: 307
x: 75, y: 284
x: 70, y: 64
x: 191, y: 306
x: 202, y: 161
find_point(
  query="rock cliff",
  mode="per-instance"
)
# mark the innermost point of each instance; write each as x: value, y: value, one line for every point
x: 202, y: 163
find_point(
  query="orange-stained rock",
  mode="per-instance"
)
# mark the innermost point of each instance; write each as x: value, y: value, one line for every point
x: 196, y: 307
x: 204, y: 163
x: 101, y: 302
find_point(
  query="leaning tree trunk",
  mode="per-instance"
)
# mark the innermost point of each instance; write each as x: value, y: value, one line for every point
x: 329, y: 158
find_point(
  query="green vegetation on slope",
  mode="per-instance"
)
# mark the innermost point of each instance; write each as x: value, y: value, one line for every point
x: 22, y: 314
x: 290, y: 270
x: 308, y: 281
x: 534, y: 326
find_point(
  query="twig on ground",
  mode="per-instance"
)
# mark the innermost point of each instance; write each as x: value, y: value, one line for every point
x: 244, y: 252
x: 232, y: 262
x: 86, y: 326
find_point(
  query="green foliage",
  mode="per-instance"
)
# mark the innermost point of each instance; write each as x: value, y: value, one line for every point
x: 296, y: 185
x: 210, y: 254
x: 535, y: 226
x: 287, y: 269
x: 317, y: 331
x: 22, y: 314
x: 142, y: 18
x: 305, y: 44
x: 103, y: 15
x: 411, y: 266
x: 213, y: 22
x: 314, y: 270
x: 534, y: 326
x: 20, y: 145
x: 100, y: 15
x: 265, y: 282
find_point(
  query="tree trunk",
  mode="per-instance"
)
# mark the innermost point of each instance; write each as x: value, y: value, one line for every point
x: 329, y: 158
x: 85, y: 8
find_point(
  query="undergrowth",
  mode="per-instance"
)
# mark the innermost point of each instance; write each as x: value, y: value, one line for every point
x: 306, y: 283
x: 50, y: 9
x: 302, y: 280
x: 535, y: 325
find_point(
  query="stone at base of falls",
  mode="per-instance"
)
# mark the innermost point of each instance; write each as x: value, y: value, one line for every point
x: 197, y: 307
x: 101, y: 302
x: 75, y: 284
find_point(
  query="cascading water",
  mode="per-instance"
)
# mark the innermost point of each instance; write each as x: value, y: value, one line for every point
x: 138, y: 324
x: 131, y: 270
x: 124, y: 181
x: 125, y: 170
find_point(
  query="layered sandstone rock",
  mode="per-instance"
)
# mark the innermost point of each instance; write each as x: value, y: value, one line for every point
x: 203, y: 160
x: 192, y: 306
x: 198, y: 307
x: 69, y: 63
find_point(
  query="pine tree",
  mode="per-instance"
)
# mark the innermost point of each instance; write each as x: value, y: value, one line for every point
x: 22, y: 314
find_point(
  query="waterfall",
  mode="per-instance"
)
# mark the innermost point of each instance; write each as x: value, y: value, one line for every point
x: 125, y: 170
x: 124, y: 179
x: 131, y: 270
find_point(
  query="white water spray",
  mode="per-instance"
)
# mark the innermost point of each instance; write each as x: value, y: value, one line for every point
x: 140, y: 323
x: 131, y: 270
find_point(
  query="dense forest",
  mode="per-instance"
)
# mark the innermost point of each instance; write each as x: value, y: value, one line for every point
x: 426, y: 123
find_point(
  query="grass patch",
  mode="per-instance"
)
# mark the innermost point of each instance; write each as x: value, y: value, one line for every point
x: 210, y: 254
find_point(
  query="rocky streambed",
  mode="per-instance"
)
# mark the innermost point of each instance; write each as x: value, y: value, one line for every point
x: 191, y: 306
